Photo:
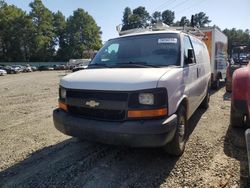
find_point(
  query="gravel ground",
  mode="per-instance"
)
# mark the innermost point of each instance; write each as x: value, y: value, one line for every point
x: 34, y: 154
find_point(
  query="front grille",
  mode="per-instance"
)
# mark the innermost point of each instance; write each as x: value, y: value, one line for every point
x: 108, y: 112
x: 98, y: 95
x: 99, y: 114
x: 112, y: 105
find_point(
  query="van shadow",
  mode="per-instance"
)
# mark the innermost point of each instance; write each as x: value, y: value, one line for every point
x: 195, y: 118
x: 235, y: 147
x: 72, y: 163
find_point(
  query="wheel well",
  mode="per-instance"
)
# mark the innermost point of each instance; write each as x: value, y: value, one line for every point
x: 209, y: 84
x: 184, y: 102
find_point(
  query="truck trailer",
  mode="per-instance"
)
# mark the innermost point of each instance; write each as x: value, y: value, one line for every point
x: 217, y: 45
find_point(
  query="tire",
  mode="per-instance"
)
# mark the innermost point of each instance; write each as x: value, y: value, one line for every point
x: 205, y: 102
x: 176, y: 147
x: 228, y: 89
x: 236, y: 118
x: 248, y: 122
x: 216, y: 84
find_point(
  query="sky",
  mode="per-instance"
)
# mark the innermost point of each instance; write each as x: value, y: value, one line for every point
x: 108, y: 13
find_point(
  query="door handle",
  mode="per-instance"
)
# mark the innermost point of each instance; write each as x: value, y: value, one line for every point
x: 198, y: 73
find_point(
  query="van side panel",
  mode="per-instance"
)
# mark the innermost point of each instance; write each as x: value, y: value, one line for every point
x: 203, y: 67
x: 190, y: 81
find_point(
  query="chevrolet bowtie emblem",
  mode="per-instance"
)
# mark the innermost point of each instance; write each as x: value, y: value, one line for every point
x: 92, y: 103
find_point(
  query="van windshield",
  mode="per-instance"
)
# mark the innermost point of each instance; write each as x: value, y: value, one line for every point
x: 151, y: 50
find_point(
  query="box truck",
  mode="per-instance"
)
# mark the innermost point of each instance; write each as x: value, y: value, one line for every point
x: 217, y: 44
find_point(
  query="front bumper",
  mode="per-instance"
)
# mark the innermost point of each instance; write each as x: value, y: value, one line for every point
x: 137, y: 133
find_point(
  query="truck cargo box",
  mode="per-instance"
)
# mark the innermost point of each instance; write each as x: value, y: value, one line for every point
x: 217, y: 45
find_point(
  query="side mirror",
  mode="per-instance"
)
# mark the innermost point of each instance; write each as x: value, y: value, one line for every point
x: 190, y: 58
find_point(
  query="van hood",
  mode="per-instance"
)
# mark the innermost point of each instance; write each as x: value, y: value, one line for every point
x: 119, y: 79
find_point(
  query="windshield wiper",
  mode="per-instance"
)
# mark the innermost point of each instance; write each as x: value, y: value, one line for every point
x: 168, y: 65
x: 99, y: 65
x: 135, y: 64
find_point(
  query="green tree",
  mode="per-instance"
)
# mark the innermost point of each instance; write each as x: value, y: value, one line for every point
x: 60, y: 39
x: 44, y: 36
x: 138, y: 19
x: 2, y: 46
x: 15, y: 32
x: 156, y: 17
x: 126, y: 18
x: 168, y: 17
x: 26, y: 40
x: 184, y: 21
x: 141, y: 17
x: 237, y: 37
x: 201, y: 19
x: 83, y: 34
x: 43, y: 45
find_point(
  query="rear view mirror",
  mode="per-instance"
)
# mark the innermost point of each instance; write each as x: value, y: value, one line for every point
x: 190, y: 58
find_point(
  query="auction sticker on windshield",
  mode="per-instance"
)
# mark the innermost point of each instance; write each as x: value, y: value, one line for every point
x: 167, y: 40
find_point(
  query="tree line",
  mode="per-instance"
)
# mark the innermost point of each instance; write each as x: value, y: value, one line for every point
x: 140, y: 18
x: 42, y: 35
x: 237, y: 37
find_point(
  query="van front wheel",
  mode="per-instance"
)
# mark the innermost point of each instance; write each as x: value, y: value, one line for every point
x: 177, y: 145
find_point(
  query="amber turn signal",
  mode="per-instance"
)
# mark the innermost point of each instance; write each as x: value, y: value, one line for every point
x: 147, y: 113
x: 62, y: 106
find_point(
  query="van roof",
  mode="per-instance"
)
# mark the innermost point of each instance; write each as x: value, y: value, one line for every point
x: 148, y: 33
x: 160, y: 28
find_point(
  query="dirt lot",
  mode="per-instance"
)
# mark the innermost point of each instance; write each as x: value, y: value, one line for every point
x: 34, y: 154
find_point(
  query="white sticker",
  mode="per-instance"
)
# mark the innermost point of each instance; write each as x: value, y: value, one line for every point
x: 167, y: 40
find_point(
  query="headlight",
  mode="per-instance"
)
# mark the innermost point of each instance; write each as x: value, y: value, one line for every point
x: 62, y: 93
x: 146, y: 98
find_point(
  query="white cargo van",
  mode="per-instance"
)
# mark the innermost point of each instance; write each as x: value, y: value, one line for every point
x: 139, y: 90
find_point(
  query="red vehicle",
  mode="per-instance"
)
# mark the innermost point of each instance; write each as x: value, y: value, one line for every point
x: 240, y: 102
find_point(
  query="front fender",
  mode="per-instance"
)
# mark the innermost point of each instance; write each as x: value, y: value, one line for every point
x: 175, y: 84
x: 241, y: 90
